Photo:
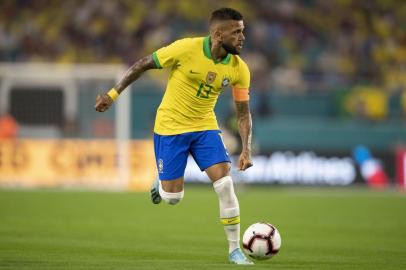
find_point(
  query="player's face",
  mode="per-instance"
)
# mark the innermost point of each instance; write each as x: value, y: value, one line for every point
x: 232, y: 36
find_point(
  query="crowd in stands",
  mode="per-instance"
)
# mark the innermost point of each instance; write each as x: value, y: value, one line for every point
x: 291, y: 46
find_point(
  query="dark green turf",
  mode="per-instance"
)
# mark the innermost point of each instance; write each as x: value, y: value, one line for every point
x: 321, y: 228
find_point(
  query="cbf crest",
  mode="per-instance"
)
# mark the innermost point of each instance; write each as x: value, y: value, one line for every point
x: 211, y: 77
x: 160, y: 166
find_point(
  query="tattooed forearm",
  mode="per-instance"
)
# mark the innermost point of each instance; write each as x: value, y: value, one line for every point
x: 134, y: 72
x: 244, y: 122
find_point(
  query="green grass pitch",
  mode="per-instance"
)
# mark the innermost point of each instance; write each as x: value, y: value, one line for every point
x: 321, y: 228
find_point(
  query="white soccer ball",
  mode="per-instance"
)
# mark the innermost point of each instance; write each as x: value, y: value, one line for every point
x: 261, y: 241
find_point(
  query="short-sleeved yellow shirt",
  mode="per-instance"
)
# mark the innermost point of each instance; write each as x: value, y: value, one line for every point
x: 194, y: 84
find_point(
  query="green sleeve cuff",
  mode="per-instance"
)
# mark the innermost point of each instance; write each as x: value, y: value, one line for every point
x: 156, y: 60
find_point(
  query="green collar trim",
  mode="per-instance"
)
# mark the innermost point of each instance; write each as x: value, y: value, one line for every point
x: 207, y: 52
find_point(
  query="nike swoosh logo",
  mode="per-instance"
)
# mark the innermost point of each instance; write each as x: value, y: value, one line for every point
x: 193, y: 72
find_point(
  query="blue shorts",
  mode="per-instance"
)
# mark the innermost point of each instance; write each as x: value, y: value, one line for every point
x: 172, y: 151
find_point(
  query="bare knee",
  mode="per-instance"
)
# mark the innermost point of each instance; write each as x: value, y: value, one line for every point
x: 172, y: 186
x: 218, y: 171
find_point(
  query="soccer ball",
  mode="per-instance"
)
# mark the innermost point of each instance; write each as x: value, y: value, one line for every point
x: 261, y: 241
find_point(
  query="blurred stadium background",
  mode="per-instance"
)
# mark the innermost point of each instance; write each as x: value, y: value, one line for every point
x: 328, y: 98
x: 326, y: 76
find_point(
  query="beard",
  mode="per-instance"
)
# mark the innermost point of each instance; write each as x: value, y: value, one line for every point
x: 230, y: 49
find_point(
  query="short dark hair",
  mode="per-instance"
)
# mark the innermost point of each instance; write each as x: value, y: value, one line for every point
x: 224, y: 14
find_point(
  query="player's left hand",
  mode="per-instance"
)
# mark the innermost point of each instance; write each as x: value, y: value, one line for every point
x: 244, y: 162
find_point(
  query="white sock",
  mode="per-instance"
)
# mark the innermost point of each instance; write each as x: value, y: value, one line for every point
x: 170, y: 197
x: 229, y: 211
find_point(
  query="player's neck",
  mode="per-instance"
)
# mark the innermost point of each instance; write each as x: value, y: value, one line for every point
x: 217, y: 51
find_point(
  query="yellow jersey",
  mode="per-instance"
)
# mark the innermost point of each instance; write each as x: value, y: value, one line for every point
x: 194, y: 84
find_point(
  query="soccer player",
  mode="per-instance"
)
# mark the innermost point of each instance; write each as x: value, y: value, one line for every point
x: 185, y: 121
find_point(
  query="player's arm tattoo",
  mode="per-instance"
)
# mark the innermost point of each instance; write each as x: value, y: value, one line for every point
x: 134, y: 72
x: 244, y: 123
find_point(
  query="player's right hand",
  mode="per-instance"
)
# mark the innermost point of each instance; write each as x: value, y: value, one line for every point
x: 245, y: 161
x: 103, y: 102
